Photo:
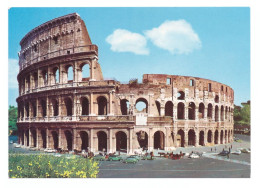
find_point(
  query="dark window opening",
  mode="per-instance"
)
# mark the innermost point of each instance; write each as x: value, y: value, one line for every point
x: 102, y: 141
x: 180, y: 110
x: 159, y: 140
x: 68, y: 104
x: 209, y: 85
x: 55, y: 40
x: 169, y: 109
x: 121, y: 141
x: 191, y: 82
x: 191, y: 112
x: 85, y: 106
x: 169, y: 81
x: 124, y: 104
x: 102, y: 106
x: 181, y: 95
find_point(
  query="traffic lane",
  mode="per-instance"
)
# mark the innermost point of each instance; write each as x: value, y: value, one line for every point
x: 167, y: 168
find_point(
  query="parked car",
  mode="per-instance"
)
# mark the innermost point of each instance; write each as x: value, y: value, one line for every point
x: 194, y: 156
x: 131, y: 160
x: 236, y: 152
x: 224, y: 153
x: 135, y: 156
x: 245, y: 150
x: 49, y: 150
x: 99, y: 157
x: 18, y: 146
x: 115, y: 158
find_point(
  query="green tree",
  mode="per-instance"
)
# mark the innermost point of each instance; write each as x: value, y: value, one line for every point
x: 242, y: 114
x: 12, y: 118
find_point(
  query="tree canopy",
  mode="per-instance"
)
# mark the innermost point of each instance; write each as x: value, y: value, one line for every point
x: 12, y: 118
x: 242, y: 114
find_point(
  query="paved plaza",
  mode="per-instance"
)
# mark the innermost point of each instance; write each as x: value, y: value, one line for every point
x: 210, y: 165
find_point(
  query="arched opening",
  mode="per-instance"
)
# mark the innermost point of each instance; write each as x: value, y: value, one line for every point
x: 102, y: 105
x: 102, y: 141
x: 43, y: 105
x: 216, y: 137
x: 229, y: 136
x: 141, y: 105
x: 142, y: 138
x: 226, y: 136
x: 43, y: 135
x: 180, y: 138
x: 191, y: 112
x: 124, y: 104
x: 221, y: 136
x: 34, y: 138
x: 85, y: 72
x: 201, y: 138
x: 121, y: 141
x: 180, y: 95
x: 68, y: 136
x: 209, y: 139
x: 55, y: 107
x: 222, y: 113
x: 70, y: 75
x: 68, y: 104
x: 35, y: 78
x: 84, y: 106
x: 226, y: 113
x: 216, y: 113
x: 55, y: 139
x: 45, y: 77
x: 27, y: 109
x: 34, y: 109
x: 56, y: 75
x: 191, y: 137
x: 159, y: 140
x: 181, y: 111
x: 27, y: 80
x: 22, y: 137
x: 169, y: 109
x: 27, y: 137
x: 209, y: 111
x: 216, y: 99
x: 158, y: 106
x: 201, y: 111
x: 84, y: 140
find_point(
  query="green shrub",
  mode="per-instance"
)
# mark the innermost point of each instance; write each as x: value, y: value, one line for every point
x: 49, y: 166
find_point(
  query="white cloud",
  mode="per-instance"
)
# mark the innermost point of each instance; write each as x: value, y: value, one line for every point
x: 13, y: 69
x: 177, y: 37
x: 122, y: 40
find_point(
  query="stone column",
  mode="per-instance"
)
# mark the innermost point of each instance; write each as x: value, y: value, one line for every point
x: 60, y: 139
x: 47, y: 107
x: 205, y: 137
x: 166, y: 139
x: 162, y: 110
x: 196, y: 113
x: 47, y: 138
x: 74, y: 134
x: 213, y: 113
x: 150, y: 140
x: 30, y: 137
x: 213, y: 137
x: 175, y: 112
x: 130, y: 141
x: 91, y: 105
x: 197, y: 137
x: 186, y: 112
x: 186, y: 138
x: 91, y: 141
x: 205, y: 113
x: 37, y: 138
x: 110, y: 141
x: 175, y: 139
x: 219, y: 136
x: 150, y: 104
x: 111, y: 103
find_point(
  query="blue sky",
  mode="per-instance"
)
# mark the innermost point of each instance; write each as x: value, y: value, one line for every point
x: 215, y: 44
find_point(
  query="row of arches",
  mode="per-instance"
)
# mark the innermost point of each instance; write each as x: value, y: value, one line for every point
x: 53, y: 76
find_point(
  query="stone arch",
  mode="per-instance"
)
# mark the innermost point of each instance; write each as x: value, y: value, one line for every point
x: 201, y: 138
x: 69, y: 73
x: 216, y: 137
x: 43, y: 108
x: 142, y: 138
x: 181, y: 110
x: 121, y: 141
x: 180, y: 95
x: 102, y: 105
x: 34, y: 137
x: 102, y: 141
x: 169, y: 108
x: 209, y: 138
x: 216, y: 99
x: 124, y: 104
x: 43, y: 137
x: 201, y: 110
x: 69, y: 106
x: 159, y: 140
x: 222, y: 113
x: 142, y: 102
x: 56, y: 75
x: 69, y: 139
x: 55, y: 107
x: 35, y: 79
x: 226, y: 136
x: 180, y: 138
x: 191, y: 137
x: 84, y: 140
x: 27, y: 109
x: 44, y: 75
x: 216, y: 113
x: 226, y: 113
x: 55, y: 139
x: 84, y: 106
x: 209, y: 115
x: 191, y: 112
x: 84, y: 72
x: 221, y: 136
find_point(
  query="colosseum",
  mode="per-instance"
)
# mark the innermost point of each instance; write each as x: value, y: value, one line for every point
x: 96, y: 114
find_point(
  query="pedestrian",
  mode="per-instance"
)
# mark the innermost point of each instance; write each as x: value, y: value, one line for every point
x: 211, y: 150
x: 215, y: 149
x: 231, y: 146
x: 228, y: 156
x: 223, y: 149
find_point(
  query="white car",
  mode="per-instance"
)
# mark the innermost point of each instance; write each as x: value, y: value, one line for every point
x: 49, y: 150
x: 194, y: 156
x: 245, y: 150
x: 237, y: 152
x: 18, y: 146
